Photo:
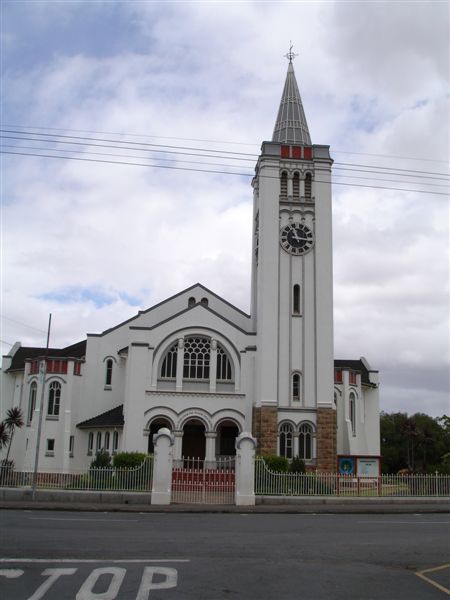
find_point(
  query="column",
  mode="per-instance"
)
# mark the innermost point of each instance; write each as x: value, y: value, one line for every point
x: 178, y: 444
x: 162, y: 467
x: 180, y: 362
x: 210, y: 450
x: 213, y: 366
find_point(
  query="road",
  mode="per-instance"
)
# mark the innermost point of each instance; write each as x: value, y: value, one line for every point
x: 150, y: 556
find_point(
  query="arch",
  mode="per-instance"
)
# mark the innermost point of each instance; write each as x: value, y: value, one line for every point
x: 283, y: 184
x: 154, y: 426
x: 191, y: 302
x: 227, y: 432
x: 204, y: 301
x: 306, y: 431
x: 194, y: 440
x: 195, y: 413
x: 286, y: 439
x: 54, y: 399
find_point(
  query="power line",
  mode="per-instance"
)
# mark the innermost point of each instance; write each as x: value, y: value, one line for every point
x: 213, y: 171
x: 166, y: 137
x: 378, y: 170
x: 22, y: 323
x: 194, y: 162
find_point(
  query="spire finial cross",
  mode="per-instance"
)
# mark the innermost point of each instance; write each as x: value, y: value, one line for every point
x: 290, y: 55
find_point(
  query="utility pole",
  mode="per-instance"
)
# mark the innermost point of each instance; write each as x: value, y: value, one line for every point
x: 42, y: 374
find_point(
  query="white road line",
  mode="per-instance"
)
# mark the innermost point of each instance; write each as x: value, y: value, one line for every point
x: 407, y: 522
x: 95, y: 560
x: 89, y: 520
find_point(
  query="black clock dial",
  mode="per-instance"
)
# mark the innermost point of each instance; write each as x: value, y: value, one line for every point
x: 296, y: 238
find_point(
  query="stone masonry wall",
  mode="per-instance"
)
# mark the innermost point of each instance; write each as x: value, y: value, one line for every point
x: 326, y: 440
x: 265, y: 429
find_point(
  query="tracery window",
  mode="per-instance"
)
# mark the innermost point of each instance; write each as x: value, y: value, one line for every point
x: 32, y: 401
x: 169, y: 365
x: 223, y: 365
x: 54, y: 399
x: 305, y: 441
x: 286, y: 437
x: 197, y: 358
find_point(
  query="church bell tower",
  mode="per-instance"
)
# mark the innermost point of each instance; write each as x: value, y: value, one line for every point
x: 292, y: 283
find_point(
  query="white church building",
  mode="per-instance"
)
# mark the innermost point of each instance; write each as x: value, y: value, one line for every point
x: 204, y: 368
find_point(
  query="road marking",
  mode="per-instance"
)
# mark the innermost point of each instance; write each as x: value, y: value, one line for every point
x: 89, y: 520
x: 408, y: 522
x: 95, y: 560
x: 11, y: 573
x: 435, y: 583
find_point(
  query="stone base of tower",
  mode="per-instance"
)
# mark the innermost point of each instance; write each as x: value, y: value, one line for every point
x: 265, y: 428
x: 326, y: 440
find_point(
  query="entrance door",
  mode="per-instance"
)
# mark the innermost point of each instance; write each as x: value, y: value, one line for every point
x: 194, y: 441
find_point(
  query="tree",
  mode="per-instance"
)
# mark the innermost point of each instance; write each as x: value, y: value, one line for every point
x: 4, y: 435
x: 14, y: 420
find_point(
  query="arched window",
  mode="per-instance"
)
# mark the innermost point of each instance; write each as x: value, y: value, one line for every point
x: 54, y: 399
x: 296, y: 186
x: 204, y: 301
x: 191, y: 301
x: 352, y: 411
x: 169, y: 364
x: 283, y: 184
x: 197, y: 357
x: 296, y: 387
x: 286, y: 437
x: 308, y: 186
x: 32, y: 401
x: 108, y: 373
x: 223, y: 371
x: 305, y: 441
x: 296, y: 299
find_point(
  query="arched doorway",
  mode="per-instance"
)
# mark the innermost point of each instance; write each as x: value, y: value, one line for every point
x: 155, y: 426
x: 227, y: 433
x: 194, y: 441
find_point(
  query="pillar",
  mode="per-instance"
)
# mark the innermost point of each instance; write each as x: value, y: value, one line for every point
x: 162, y: 466
x: 245, y: 470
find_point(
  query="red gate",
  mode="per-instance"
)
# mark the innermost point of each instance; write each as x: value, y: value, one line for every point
x: 198, y: 481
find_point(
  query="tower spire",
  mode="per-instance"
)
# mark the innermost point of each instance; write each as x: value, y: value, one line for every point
x: 291, y: 126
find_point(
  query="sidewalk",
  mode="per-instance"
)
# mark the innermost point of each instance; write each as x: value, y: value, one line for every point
x: 270, y: 505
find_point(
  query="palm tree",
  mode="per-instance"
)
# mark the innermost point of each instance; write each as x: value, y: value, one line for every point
x: 4, y: 435
x: 14, y: 419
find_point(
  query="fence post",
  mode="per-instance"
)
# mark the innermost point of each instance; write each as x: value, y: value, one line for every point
x: 245, y: 470
x: 162, y: 468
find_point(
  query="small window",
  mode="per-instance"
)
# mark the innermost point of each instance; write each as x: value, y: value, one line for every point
x: 283, y: 184
x: 305, y: 441
x: 106, y: 444
x: 352, y: 411
x: 308, y: 186
x: 191, y: 301
x: 32, y: 401
x: 204, y: 301
x: 285, y: 439
x: 115, y: 441
x: 296, y: 299
x: 296, y: 387
x: 54, y: 399
x: 223, y: 370
x: 109, y: 369
x: 50, y: 448
x: 71, y: 445
x: 77, y: 368
x: 296, y: 186
x: 99, y: 441
x: 352, y: 377
x: 90, y: 442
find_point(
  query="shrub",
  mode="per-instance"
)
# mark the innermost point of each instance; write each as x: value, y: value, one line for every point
x: 102, y: 460
x: 128, y: 460
x: 298, y: 465
x: 276, y: 463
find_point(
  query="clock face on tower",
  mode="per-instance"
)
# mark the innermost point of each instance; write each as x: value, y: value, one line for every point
x: 296, y: 238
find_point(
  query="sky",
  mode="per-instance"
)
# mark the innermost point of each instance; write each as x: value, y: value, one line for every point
x: 94, y: 242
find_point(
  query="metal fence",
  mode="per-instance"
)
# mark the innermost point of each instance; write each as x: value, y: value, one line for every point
x: 197, y: 481
x: 333, y: 484
x: 138, y: 479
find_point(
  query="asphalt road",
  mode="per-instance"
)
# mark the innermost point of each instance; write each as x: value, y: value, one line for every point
x: 84, y: 556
